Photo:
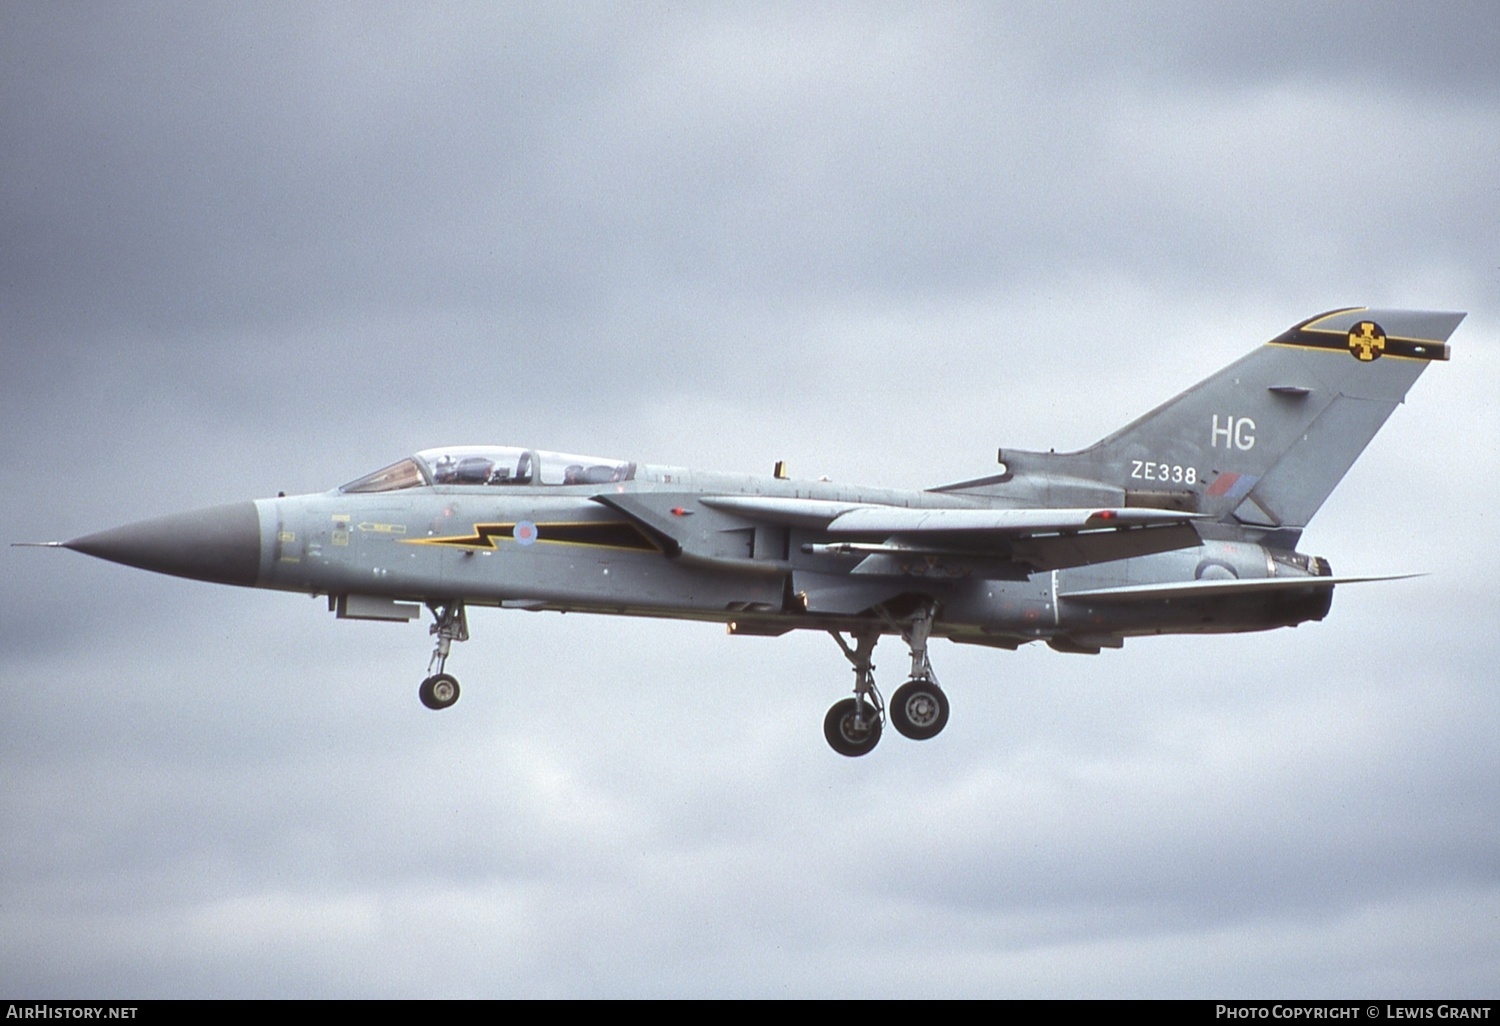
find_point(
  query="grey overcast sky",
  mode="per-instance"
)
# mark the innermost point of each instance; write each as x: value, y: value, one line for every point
x: 260, y: 247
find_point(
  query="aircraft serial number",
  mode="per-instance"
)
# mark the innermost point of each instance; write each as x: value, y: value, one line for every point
x: 1144, y: 470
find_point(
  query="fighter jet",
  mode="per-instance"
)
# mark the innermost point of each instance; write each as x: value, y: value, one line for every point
x: 1185, y: 521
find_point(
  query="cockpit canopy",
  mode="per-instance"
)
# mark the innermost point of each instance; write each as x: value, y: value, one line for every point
x: 492, y: 465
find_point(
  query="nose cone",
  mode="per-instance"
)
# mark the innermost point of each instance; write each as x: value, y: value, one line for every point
x: 221, y: 544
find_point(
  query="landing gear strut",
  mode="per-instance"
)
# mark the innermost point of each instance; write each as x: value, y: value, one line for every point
x: 852, y: 726
x: 918, y: 710
x: 440, y: 690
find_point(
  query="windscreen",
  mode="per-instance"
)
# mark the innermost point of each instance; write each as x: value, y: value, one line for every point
x: 406, y: 474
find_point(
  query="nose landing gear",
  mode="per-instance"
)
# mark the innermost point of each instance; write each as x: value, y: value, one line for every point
x: 440, y: 689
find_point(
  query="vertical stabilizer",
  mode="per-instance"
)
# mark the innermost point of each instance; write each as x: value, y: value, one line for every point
x: 1263, y: 442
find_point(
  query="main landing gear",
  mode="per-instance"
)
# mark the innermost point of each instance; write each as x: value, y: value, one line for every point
x: 440, y: 690
x: 852, y: 726
x: 918, y: 709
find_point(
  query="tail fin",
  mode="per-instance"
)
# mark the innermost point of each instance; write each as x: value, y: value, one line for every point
x: 1263, y: 442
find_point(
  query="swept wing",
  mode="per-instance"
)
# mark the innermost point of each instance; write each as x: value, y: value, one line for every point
x: 695, y: 526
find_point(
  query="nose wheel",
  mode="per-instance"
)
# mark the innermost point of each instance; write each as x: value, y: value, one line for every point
x: 440, y: 689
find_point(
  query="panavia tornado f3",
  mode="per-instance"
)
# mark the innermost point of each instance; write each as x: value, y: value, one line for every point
x: 1185, y: 521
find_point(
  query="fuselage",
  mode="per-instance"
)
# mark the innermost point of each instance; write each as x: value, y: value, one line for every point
x: 537, y: 546
x: 542, y: 533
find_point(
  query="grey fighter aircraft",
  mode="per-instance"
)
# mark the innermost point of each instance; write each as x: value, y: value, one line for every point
x: 1185, y: 521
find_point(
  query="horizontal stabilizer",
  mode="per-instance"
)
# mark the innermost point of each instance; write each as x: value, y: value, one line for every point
x: 1215, y: 589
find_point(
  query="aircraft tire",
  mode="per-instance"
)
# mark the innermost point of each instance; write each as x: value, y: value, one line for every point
x: 438, y: 691
x: 844, y: 736
x: 919, y: 710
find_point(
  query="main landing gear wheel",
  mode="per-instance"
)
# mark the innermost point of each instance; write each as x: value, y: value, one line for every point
x: 850, y: 729
x: 919, y: 709
x: 438, y: 691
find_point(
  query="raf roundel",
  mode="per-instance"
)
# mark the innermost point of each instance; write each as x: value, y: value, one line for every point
x: 525, y: 532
